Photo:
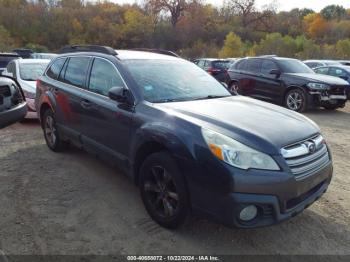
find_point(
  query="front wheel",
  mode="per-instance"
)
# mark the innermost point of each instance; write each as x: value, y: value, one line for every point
x: 296, y: 100
x: 52, y: 137
x: 233, y: 88
x: 163, y: 190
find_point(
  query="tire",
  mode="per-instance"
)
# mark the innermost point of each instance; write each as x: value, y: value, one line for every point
x: 52, y: 137
x: 331, y: 107
x: 296, y: 100
x: 163, y: 190
x: 233, y: 88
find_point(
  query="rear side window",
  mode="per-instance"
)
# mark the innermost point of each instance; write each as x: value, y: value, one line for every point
x: 76, y: 71
x: 323, y: 70
x: 267, y: 66
x: 55, y: 69
x: 103, y: 77
x: 253, y: 65
x: 240, y: 65
x: 221, y: 64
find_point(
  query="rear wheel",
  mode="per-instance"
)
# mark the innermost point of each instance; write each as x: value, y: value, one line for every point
x: 296, y: 100
x: 233, y: 87
x: 163, y: 190
x: 52, y: 137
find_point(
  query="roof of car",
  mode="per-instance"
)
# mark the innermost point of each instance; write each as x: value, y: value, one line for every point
x: 321, y: 61
x: 33, y: 61
x: 345, y: 67
x: 9, y: 54
x: 133, y: 54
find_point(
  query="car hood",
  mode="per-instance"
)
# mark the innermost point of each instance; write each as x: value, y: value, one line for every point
x: 320, y: 78
x: 258, y: 124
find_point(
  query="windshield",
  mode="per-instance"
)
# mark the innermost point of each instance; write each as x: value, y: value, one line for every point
x: 31, y: 72
x: 294, y: 66
x: 173, y: 80
x: 221, y: 64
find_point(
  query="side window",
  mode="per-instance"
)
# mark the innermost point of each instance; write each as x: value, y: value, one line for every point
x: 103, y: 77
x: 322, y: 70
x: 337, y: 72
x: 76, y: 71
x: 267, y: 66
x: 240, y: 65
x: 253, y: 65
x: 55, y: 68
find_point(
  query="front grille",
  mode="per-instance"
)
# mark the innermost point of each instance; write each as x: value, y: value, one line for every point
x: 307, y: 162
x: 5, y: 91
x: 337, y: 90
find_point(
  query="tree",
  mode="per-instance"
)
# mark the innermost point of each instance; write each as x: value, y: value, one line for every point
x: 174, y: 7
x: 343, y: 49
x: 316, y: 26
x: 331, y: 12
x: 6, y: 42
x: 233, y: 46
x: 276, y: 44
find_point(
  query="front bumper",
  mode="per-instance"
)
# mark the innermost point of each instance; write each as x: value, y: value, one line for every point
x: 13, y: 115
x: 277, y: 195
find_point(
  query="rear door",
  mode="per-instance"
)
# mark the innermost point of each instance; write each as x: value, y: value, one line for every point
x: 249, y: 75
x: 107, y: 123
x: 70, y: 94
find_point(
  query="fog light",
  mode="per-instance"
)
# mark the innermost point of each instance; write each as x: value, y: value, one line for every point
x: 248, y: 213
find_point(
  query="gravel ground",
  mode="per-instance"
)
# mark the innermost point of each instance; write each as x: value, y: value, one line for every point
x: 73, y: 203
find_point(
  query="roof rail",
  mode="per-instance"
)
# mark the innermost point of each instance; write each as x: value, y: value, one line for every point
x: 158, y: 51
x: 88, y: 48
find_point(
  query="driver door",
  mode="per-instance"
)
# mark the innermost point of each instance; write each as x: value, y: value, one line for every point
x: 107, y: 123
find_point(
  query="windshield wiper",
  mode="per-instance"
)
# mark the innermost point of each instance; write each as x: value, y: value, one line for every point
x: 210, y: 97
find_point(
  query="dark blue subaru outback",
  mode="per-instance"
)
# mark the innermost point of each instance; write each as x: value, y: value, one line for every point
x: 190, y: 146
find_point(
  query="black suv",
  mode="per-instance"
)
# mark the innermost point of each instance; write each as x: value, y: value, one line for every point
x: 287, y: 82
x: 13, y: 107
x: 5, y: 59
x: 189, y: 145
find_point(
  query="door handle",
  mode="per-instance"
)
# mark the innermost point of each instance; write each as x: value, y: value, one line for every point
x: 86, y: 104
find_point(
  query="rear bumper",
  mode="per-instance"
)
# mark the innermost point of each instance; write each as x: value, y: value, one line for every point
x: 13, y: 115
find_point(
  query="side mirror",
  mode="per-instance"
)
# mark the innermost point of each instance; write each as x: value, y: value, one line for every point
x: 118, y: 94
x: 275, y: 72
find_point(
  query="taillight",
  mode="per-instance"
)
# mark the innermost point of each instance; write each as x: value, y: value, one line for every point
x: 213, y: 70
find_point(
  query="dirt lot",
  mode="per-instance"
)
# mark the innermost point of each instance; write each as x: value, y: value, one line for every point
x: 72, y: 203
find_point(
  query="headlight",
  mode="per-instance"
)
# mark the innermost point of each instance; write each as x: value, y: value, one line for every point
x: 236, y: 154
x: 29, y: 94
x: 318, y: 86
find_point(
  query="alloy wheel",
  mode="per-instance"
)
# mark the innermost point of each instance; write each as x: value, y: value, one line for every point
x: 50, y: 130
x: 294, y: 101
x: 161, y: 192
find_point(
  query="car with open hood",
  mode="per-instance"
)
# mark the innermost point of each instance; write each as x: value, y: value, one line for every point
x: 188, y: 144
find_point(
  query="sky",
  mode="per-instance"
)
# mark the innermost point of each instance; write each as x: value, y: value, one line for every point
x: 284, y: 5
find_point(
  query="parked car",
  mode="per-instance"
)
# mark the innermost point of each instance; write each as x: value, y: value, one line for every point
x: 13, y: 106
x: 189, y: 145
x: 23, y: 52
x: 344, y: 62
x: 286, y: 82
x: 215, y: 67
x: 317, y: 63
x: 43, y: 56
x: 26, y: 72
x: 337, y: 71
x: 6, y: 58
